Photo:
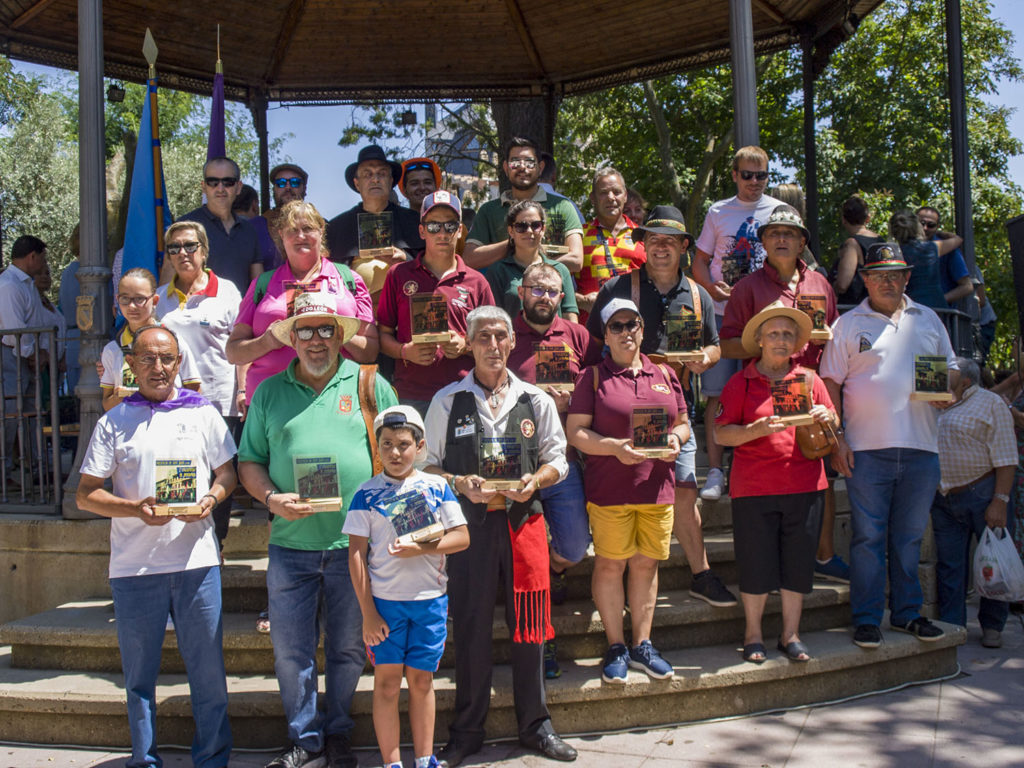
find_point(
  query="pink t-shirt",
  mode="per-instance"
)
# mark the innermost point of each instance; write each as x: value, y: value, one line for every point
x: 276, y: 303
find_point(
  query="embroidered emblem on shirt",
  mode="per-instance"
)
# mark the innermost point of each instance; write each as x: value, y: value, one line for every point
x: 663, y: 388
x: 527, y: 428
x: 865, y: 344
x: 410, y: 288
x: 345, y: 404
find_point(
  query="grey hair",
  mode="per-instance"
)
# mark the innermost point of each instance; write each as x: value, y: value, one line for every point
x: 485, y: 314
x: 606, y: 171
x: 969, y: 370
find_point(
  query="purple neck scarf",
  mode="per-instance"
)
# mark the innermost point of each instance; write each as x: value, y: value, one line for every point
x: 184, y: 398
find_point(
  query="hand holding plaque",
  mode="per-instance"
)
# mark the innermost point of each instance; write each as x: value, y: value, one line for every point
x: 429, y: 319
x: 791, y: 401
x: 316, y: 482
x: 501, y: 465
x: 176, y: 488
x: 651, y: 428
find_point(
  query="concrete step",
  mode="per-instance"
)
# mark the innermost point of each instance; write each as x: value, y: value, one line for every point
x: 51, y: 706
x: 83, y: 636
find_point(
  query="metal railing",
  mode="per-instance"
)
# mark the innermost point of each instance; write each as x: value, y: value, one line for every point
x: 30, y: 452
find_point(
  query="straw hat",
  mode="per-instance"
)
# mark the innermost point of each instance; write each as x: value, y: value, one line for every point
x: 776, y: 309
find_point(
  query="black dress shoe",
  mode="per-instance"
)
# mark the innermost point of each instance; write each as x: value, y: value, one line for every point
x: 551, y: 745
x: 453, y: 753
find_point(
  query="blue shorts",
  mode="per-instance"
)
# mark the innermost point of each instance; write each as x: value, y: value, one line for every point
x: 686, y: 464
x: 714, y: 379
x: 565, y: 511
x: 418, y: 629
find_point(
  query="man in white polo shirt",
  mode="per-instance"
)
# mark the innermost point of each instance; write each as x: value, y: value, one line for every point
x: 160, y: 442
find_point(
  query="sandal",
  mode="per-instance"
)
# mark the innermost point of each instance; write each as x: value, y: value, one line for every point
x: 263, y: 622
x: 751, y: 652
x: 795, y: 651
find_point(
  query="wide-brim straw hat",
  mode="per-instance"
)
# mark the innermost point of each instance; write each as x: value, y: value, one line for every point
x: 776, y: 309
x: 316, y: 304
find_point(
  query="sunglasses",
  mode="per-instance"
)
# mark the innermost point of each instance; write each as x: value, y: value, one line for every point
x: 294, y: 182
x: 323, y: 331
x: 928, y: 224
x: 525, y: 226
x: 748, y: 175
x: 175, y: 248
x: 536, y: 291
x: 135, y: 301
x: 531, y: 164
x: 433, y: 227
x: 419, y: 167
x: 630, y: 326
x: 227, y: 181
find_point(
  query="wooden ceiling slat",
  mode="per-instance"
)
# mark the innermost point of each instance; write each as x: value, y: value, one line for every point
x: 30, y: 13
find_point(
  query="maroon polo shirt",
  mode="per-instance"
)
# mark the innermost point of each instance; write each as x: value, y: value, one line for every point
x: 464, y: 290
x: 606, y: 480
x: 757, y: 290
x: 772, y: 465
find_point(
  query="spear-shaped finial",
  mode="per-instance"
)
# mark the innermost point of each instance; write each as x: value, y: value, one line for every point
x: 149, y: 50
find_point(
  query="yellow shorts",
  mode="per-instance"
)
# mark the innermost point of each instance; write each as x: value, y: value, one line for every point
x: 622, y: 530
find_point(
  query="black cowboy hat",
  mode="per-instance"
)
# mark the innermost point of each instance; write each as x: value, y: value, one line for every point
x: 372, y: 152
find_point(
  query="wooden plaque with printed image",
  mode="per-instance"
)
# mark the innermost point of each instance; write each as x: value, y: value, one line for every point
x: 651, y: 428
x: 553, y: 367
x: 554, y: 234
x: 684, y: 335
x: 931, y: 379
x: 429, y: 315
x: 316, y: 482
x: 176, y: 488
x: 413, y: 519
x: 791, y: 401
x: 815, y: 306
x: 375, y: 235
x: 501, y: 464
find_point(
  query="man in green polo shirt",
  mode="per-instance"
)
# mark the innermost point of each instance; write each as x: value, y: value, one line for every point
x: 487, y: 240
x: 305, y: 451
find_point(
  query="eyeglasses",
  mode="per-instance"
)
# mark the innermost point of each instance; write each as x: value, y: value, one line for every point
x: 323, y: 331
x: 227, y: 181
x: 928, y: 224
x: 294, y: 182
x: 524, y: 226
x: 748, y: 175
x: 537, y: 291
x: 165, y: 360
x: 173, y: 249
x: 888, y: 276
x: 630, y: 326
x: 135, y: 301
x: 523, y: 163
x: 433, y: 227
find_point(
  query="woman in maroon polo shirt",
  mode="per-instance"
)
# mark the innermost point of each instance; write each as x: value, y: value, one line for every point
x: 777, y: 493
x: 629, y: 494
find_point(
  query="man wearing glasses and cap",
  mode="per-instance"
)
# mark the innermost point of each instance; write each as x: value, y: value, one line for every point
x: 311, y: 415
x: 234, y: 243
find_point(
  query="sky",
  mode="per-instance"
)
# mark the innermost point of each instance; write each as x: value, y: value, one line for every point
x: 315, y: 131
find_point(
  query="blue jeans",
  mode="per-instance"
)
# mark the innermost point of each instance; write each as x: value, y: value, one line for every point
x: 305, y: 588
x: 955, y: 518
x: 891, y: 492
x: 565, y: 511
x: 141, y: 606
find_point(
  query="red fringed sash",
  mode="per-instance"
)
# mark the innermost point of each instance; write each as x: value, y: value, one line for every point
x: 531, y: 582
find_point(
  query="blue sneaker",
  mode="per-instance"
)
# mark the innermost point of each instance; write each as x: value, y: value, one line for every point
x: 835, y: 569
x: 616, y: 664
x: 646, y: 657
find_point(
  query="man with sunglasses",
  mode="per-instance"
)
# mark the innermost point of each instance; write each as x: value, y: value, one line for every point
x: 287, y: 183
x: 889, y: 453
x: 954, y: 277
x: 729, y: 248
x: 488, y: 239
x: 422, y: 369
x: 311, y: 414
x: 234, y: 243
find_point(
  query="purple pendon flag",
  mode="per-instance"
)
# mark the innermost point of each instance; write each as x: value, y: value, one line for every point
x: 215, y: 145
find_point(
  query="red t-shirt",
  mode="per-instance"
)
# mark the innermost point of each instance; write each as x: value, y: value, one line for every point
x: 606, y: 480
x: 757, y: 290
x: 772, y: 465
x: 464, y: 290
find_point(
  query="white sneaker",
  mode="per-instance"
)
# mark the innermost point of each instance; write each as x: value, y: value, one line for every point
x: 714, y: 486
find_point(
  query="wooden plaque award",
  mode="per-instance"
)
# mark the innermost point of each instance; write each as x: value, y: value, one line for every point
x: 176, y: 488
x: 501, y: 465
x: 429, y: 318
x: 791, y: 401
x: 375, y: 235
x: 413, y: 519
x: 684, y: 335
x: 316, y: 482
x: 552, y: 366
x: 129, y: 385
x: 651, y: 428
x: 815, y: 307
x: 554, y: 235
x: 931, y: 379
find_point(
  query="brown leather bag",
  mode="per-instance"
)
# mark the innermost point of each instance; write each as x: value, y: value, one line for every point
x: 816, y: 440
x: 368, y: 407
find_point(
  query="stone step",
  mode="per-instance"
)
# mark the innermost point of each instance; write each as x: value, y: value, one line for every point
x: 83, y: 636
x: 55, y: 707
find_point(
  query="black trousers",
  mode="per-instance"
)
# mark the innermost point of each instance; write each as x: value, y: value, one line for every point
x: 474, y: 577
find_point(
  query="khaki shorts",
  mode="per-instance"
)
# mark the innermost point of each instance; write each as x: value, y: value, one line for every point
x: 622, y: 530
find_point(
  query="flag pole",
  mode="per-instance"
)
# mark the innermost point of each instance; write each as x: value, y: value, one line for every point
x: 220, y: 66
x: 150, y: 51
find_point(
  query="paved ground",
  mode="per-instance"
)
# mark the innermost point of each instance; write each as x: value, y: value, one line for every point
x: 972, y: 720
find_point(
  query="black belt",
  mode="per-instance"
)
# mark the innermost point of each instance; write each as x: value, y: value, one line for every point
x: 975, y: 481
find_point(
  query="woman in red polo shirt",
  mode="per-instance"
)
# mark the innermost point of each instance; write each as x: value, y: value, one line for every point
x: 777, y: 494
x: 629, y: 494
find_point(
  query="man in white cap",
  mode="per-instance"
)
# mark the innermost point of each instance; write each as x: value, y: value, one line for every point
x: 306, y: 430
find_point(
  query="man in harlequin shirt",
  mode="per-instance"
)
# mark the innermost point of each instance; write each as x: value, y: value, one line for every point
x: 608, y: 247
x: 423, y: 369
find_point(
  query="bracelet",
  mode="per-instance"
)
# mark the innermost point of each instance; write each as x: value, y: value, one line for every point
x: 1002, y: 497
x: 211, y: 496
x: 266, y: 498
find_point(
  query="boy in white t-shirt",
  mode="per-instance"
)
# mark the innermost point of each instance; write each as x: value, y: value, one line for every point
x: 400, y: 586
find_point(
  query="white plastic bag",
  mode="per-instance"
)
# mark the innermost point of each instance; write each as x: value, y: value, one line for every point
x: 998, y: 570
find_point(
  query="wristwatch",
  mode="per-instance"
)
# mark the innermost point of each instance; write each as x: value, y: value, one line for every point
x: 451, y: 484
x: 1002, y: 497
